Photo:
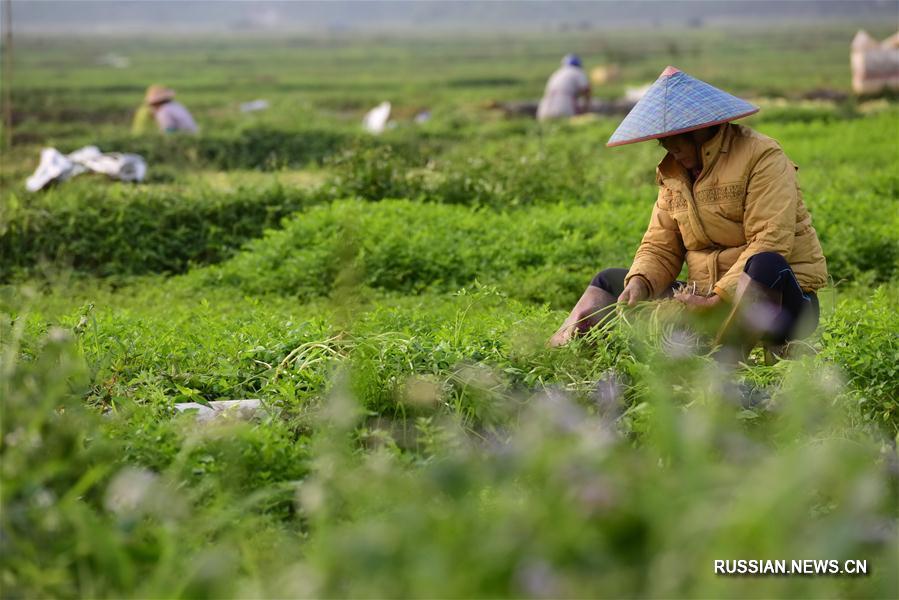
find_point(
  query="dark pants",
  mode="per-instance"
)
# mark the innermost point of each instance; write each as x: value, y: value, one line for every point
x: 795, y: 317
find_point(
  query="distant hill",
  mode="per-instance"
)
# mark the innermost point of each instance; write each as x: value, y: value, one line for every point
x: 158, y: 16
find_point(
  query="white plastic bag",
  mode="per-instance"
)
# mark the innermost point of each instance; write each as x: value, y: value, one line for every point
x: 375, y: 120
x: 875, y: 65
x: 55, y: 166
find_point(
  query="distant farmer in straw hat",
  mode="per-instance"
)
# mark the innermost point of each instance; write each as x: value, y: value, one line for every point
x: 729, y: 205
x: 170, y: 115
x: 567, y: 92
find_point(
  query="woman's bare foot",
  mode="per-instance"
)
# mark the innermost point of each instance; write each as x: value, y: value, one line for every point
x: 587, y: 313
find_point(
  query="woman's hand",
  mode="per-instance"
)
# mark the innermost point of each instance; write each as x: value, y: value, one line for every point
x: 635, y: 291
x: 697, y: 302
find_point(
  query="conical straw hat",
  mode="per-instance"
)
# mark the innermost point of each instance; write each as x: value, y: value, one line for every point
x: 677, y: 103
x: 158, y: 93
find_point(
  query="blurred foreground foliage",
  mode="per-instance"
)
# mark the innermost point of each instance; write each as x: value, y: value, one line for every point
x: 426, y: 450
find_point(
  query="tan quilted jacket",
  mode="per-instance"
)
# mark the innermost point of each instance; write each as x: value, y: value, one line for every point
x: 746, y: 200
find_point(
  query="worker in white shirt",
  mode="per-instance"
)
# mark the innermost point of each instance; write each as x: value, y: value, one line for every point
x: 567, y: 91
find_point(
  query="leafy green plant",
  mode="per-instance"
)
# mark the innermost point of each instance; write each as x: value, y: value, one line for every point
x: 124, y: 231
x: 861, y: 338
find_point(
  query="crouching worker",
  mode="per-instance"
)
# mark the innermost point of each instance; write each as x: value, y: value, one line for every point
x: 730, y: 206
x: 170, y: 115
x: 567, y: 92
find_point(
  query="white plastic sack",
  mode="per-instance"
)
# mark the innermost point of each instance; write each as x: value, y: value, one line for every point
x: 375, y: 120
x: 254, y: 106
x: 55, y: 166
x: 116, y: 61
x: 244, y: 410
x: 124, y: 167
x: 875, y: 65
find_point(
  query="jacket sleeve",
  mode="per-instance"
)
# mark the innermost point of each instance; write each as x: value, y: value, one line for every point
x: 661, y: 253
x: 769, y: 215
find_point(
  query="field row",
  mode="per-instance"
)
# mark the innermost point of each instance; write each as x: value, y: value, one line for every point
x: 851, y: 189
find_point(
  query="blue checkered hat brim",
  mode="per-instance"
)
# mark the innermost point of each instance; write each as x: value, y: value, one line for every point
x: 677, y: 103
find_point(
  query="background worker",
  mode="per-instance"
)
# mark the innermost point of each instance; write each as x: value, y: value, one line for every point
x: 170, y: 115
x: 729, y: 205
x: 567, y: 92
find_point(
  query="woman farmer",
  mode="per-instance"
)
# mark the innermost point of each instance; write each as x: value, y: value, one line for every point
x: 170, y: 115
x: 729, y: 205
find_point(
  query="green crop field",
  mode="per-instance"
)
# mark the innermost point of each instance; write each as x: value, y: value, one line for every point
x: 388, y: 299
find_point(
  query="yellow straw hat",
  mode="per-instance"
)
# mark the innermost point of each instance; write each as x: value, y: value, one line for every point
x: 158, y: 93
